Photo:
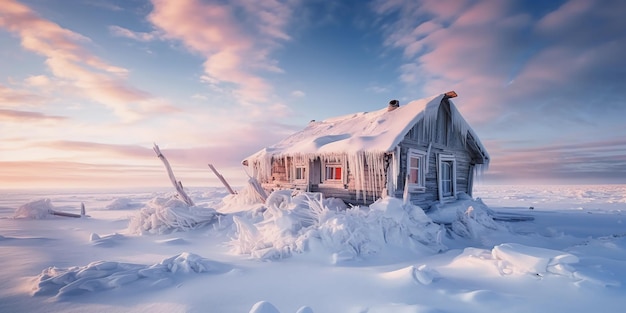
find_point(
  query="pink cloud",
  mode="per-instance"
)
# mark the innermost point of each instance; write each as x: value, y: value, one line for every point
x: 565, y: 16
x: 12, y: 97
x: 139, y: 36
x: 27, y: 116
x: 455, y: 46
x: 234, y: 52
x: 69, y: 61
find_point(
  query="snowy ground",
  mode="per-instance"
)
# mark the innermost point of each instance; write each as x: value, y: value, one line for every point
x: 568, y: 254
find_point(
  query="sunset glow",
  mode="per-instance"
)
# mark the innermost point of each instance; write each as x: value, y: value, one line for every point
x: 87, y: 87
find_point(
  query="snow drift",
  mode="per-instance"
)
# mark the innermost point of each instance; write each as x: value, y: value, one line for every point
x: 37, y: 209
x: 103, y: 275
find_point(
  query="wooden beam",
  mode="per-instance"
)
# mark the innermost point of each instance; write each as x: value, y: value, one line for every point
x: 221, y: 178
x: 65, y: 214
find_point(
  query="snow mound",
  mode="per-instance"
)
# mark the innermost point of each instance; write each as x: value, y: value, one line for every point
x: 291, y: 221
x: 166, y: 215
x: 267, y: 307
x: 121, y: 204
x: 509, y: 259
x: 104, y: 275
x: 263, y: 307
x: 466, y: 217
x: 517, y: 257
x: 421, y: 274
x: 106, y: 240
x: 37, y: 209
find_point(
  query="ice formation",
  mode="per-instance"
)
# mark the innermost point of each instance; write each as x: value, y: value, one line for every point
x: 165, y: 215
x: 289, y: 223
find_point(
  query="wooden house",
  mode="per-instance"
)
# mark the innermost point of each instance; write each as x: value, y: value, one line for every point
x: 424, y: 150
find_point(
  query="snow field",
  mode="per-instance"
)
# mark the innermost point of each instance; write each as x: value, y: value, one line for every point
x: 316, y: 256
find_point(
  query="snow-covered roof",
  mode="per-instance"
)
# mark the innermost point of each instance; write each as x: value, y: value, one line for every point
x: 372, y: 132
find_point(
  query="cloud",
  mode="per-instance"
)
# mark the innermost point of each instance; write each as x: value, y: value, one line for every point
x: 587, y: 161
x: 55, y: 174
x: 551, y: 76
x: 235, y: 39
x: 27, y: 116
x: 139, y: 36
x: 501, y: 58
x: 70, y: 62
x: 12, y: 97
x: 298, y: 93
x: 133, y: 151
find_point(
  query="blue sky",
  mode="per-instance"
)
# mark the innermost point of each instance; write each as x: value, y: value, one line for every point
x: 86, y: 86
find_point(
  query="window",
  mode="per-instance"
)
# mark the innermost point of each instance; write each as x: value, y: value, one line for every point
x: 416, y: 170
x: 446, y: 177
x: 300, y: 173
x: 334, y: 172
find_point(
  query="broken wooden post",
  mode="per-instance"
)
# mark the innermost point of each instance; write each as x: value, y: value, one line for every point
x: 221, y: 178
x: 82, y: 209
x: 177, y: 184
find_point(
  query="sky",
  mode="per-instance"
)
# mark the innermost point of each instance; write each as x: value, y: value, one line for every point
x: 87, y: 87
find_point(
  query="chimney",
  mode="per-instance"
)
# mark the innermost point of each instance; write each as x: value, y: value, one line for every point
x: 450, y: 94
x: 393, y: 104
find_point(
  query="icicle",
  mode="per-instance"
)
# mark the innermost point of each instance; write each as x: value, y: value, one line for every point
x: 429, y: 126
x: 396, y: 168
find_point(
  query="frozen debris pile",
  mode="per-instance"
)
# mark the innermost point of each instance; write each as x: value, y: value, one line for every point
x: 103, y: 275
x: 290, y: 222
x: 38, y: 209
x: 474, y: 222
x: 166, y: 215
x: 245, y: 199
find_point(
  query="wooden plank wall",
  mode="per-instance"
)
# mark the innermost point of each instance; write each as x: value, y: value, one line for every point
x: 443, y: 142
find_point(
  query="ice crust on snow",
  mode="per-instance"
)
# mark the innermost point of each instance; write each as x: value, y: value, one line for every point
x: 104, y: 275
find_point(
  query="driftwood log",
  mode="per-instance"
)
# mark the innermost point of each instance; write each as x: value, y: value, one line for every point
x: 66, y: 214
x: 177, y: 184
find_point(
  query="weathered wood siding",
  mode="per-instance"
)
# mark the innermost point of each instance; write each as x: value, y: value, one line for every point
x: 443, y: 141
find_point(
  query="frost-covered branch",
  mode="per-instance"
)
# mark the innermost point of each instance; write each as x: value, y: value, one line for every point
x: 177, y: 184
